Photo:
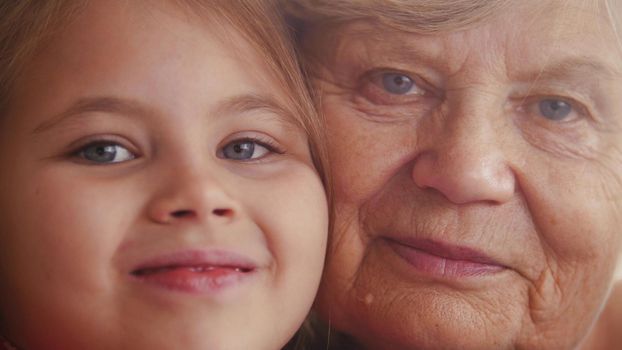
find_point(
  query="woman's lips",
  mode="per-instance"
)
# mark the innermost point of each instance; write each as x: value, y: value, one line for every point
x: 196, y: 271
x: 441, y: 259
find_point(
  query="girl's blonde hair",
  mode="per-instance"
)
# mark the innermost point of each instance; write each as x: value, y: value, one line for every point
x: 25, y: 25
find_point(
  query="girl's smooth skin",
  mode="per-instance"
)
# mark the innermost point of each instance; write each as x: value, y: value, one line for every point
x: 478, y: 178
x: 127, y: 141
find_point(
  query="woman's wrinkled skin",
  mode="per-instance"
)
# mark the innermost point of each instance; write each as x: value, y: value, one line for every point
x: 505, y: 138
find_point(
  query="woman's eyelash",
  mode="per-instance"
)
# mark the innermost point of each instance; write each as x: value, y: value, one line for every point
x: 555, y: 108
x: 385, y: 86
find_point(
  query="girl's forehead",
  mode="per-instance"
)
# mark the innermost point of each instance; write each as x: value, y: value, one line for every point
x: 117, y: 50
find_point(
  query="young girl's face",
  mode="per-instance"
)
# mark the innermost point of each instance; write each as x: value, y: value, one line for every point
x: 155, y: 191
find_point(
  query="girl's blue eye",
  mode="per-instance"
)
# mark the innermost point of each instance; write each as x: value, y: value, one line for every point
x: 105, y: 152
x: 243, y: 150
x: 398, y: 84
x: 555, y: 109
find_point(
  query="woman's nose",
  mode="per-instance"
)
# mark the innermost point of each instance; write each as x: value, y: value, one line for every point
x: 465, y: 161
x: 192, y: 197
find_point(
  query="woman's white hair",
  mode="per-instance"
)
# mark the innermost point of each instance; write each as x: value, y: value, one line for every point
x: 423, y: 16
x: 614, y: 12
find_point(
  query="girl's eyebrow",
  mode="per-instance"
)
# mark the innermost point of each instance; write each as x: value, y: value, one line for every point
x: 237, y: 104
x: 106, y: 104
x: 240, y: 104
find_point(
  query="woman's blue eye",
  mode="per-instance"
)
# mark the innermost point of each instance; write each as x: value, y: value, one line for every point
x: 555, y: 109
x: 398, y: 84
x: 105, y: 152
x: 243, y: 150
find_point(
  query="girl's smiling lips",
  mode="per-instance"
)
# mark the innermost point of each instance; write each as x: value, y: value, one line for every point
x: 442, y: 259
x: 195, y: 271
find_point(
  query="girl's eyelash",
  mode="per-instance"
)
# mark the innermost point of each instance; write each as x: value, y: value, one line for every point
x: 268, y: 143
x: 76, y: 149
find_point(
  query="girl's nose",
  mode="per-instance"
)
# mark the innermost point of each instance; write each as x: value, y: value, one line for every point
x: 192, y: 198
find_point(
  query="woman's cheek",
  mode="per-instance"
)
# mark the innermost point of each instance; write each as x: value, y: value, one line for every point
x: 570, y: 203
x: 364, y: 155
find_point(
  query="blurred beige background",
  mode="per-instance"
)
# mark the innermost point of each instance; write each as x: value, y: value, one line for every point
x: 619, y: 270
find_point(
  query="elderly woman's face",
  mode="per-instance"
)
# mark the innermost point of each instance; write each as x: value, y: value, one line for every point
x: 478, y: 179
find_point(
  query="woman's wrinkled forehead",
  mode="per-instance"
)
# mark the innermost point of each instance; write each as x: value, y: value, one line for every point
x: 593, y: 21
x: 544, y: 32
x: 432, y: 17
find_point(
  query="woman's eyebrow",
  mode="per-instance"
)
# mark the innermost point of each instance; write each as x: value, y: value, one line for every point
x: 575, y: 67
